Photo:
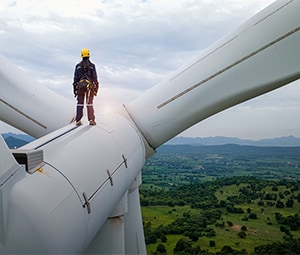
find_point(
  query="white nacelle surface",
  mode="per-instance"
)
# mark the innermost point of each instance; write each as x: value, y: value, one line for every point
x: 47, y: 211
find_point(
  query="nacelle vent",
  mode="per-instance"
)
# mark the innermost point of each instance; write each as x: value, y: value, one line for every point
x: 32, y: 159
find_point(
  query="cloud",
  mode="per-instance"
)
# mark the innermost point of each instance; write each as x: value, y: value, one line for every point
x: 134, y: 43
x: 146, y: 34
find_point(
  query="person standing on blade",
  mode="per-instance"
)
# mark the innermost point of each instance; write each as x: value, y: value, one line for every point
x: 85, y: 86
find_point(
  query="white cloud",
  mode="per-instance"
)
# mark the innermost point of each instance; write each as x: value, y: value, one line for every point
x: 134, y: 44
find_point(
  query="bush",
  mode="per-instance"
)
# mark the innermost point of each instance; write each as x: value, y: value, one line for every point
x: 230, y: 224
x: 164, y: 239
x: 244, y: 228
x: 279, y: 204
x: 161, y: 249
x: 183, y: 246
x: 242, y: 234
x: 253, y: 216
x: 212, y: 243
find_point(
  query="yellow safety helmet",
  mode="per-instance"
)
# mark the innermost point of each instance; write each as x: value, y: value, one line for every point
x: 85, y: 53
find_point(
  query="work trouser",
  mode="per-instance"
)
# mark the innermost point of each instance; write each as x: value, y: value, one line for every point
x: 89, y: 97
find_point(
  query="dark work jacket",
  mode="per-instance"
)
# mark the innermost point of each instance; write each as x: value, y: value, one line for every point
x: 88, y: 70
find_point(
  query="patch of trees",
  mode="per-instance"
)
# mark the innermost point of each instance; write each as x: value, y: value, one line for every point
x: 154, y: 235
x: 196, y: 195
x: 233, y: 209
x: 202, y: 195
x: 291, y: 221
x: 190, y: 225
x: 289, y: 246
x: 184, y: 246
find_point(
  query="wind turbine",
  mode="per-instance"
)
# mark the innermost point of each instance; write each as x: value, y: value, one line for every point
x: 60, y: 194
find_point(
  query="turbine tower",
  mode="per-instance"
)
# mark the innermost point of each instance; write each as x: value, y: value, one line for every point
x: 60, y: 194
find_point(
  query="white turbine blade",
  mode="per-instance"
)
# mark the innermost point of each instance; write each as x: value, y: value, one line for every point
x: 29, y: 106
x: 260, y: 56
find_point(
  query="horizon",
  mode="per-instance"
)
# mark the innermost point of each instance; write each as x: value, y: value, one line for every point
x: 190, y: 137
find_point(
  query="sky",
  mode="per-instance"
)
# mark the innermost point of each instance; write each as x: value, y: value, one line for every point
x: 135, y: 44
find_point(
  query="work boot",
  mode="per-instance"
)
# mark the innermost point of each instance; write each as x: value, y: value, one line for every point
x: 92, y: 123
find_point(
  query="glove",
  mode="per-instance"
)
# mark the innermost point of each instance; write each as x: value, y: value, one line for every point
x: 75, y: 90
x: 95, y: 88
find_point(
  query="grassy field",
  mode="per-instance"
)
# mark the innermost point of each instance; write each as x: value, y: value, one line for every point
x: 164, y: 215
x: 263, y: 230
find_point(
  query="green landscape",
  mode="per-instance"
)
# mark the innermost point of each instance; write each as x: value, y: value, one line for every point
x: 226, y: 199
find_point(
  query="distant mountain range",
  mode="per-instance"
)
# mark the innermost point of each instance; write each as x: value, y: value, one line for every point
x: 18, y: 140
x: 285, y: 141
